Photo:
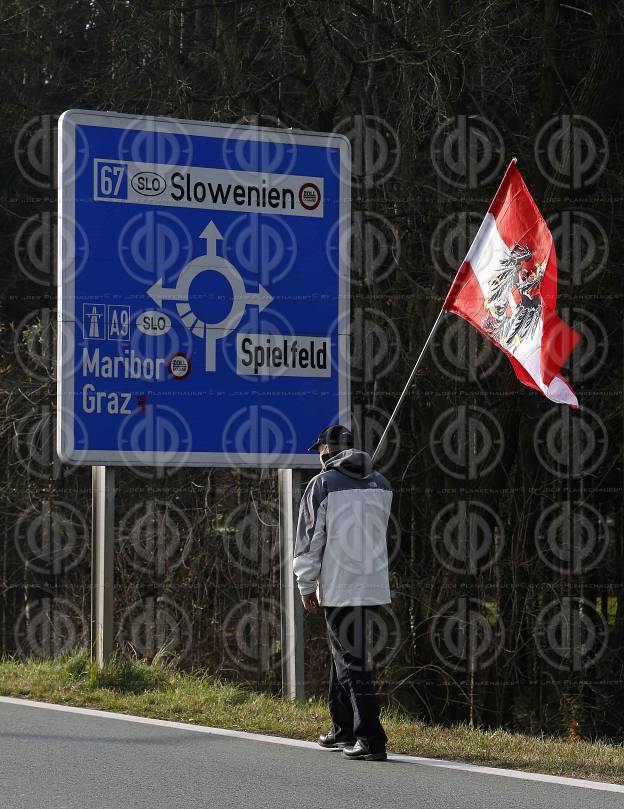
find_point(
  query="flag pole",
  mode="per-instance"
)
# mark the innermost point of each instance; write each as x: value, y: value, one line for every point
x: 408, y: 383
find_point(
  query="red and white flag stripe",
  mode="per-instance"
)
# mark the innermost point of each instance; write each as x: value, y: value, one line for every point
x: 536, y: 348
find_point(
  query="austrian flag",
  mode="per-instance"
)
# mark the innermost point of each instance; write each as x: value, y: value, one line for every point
x: 507, y: 288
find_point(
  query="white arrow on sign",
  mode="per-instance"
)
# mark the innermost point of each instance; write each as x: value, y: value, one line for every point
x: 211, y: 234
x: 261, y: 298
x: 158, y: 293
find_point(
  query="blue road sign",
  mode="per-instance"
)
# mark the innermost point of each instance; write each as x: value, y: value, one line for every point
x: 203, y: 291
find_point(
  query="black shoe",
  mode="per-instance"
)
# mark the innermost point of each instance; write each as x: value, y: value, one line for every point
x: 328, y: 740
x: 360, y: 750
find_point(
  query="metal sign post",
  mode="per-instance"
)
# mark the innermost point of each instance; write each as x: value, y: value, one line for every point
x: 291, y: 615
x: 102, y: 539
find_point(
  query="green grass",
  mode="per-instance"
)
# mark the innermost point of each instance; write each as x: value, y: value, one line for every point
x: 158, y: 690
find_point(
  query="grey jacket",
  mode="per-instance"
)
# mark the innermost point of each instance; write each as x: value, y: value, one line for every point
x: 341, y: 533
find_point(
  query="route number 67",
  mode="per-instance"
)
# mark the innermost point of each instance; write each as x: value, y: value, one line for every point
x: 111, y: 180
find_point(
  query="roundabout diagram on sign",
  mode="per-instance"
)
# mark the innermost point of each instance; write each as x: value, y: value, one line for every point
x: 210, y: 332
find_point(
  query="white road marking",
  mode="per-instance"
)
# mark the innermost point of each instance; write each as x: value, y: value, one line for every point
x: 259, y: 737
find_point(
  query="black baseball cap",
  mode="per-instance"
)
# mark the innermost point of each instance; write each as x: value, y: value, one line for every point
x: 334, y: 434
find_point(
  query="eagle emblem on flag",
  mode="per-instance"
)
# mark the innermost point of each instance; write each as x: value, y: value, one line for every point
x: 513, y: 302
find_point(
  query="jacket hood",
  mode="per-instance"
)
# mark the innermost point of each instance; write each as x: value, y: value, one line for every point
x: 355, y: 463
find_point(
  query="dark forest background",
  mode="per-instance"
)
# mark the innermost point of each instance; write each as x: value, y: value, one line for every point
x: 506, y: 540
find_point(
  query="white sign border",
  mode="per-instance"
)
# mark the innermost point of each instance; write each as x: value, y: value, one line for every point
x: 66, y: 292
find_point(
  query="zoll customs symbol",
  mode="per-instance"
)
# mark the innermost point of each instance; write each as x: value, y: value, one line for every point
x: 179, y: 366
x: 310, y: 196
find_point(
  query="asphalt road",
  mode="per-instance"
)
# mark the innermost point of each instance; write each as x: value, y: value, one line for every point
x: 52, y: 759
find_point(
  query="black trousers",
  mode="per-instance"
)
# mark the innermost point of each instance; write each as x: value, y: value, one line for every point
x: 353, y: 703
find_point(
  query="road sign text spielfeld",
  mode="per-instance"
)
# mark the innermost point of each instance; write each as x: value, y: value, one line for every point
x: 203, y: 291
x: 273, y: 355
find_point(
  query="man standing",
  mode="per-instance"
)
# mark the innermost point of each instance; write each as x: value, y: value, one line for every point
x: 341, y: 548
